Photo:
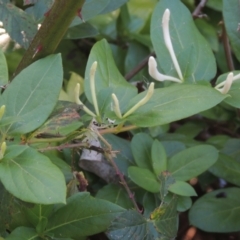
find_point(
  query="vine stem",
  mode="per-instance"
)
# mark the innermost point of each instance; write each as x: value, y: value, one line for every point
x: 198, y: 9
x: 227, y: 49
x: 139, y: 67
x: 109, y: 156
x: 51, y: 32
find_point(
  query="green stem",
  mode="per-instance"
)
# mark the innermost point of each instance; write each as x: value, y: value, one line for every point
x: 51, y: 32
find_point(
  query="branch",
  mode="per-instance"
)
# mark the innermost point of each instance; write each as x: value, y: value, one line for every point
x: 139, y: 67
x: 197, y: 11
x: 227, y: 49
x: 53, y: 28
x: 109, y: 156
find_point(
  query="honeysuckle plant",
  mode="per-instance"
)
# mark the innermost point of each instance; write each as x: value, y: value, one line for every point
x: 116, y: 158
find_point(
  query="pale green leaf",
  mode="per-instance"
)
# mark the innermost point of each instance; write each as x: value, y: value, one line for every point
x: 82, y: 216
x: 18, y: 24
x: 144, y: 178
x: 217, y: 211
x: 173, y: 103
x: 32, y: 95
x: 31, y: 177
x: 159, y: 158
x: 192, y: 162
x: 182, y: 189
x: 141, y: 148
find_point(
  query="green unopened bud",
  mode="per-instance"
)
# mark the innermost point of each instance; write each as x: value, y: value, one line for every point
x: 2, y: 111
x: 141, y: 102
x: 77, y: 100
x: 3, y: 149
x: 116, y: 107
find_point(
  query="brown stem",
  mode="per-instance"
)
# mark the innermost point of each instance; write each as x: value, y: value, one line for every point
x: 74, y: 145
x: 53, y: 28
x: 227, y: 49
x: 139, y: 67
x: 197, y: 11
x: 108, y: 155
x: 117, y: 130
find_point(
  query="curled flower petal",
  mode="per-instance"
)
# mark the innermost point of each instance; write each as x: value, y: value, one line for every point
x: 154, y: 73
x: 168, y: 42
x: 142, y: 101
x: 116, y: 107
x: 227, y: 84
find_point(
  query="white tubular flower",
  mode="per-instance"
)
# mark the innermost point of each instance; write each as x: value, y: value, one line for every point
x: 168, y: 42
x: 226, y: 84
x: 154, y: 73
x: 92, y: 87
x: 116, y: 107
x: 77, y: 100
x: 141, y: 102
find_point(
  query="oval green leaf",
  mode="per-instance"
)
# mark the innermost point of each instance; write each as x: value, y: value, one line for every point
x: 82, y: 216
x: 31, y: 177
x: 32, y: 95
x: 182, y: 189
x: 144, y: 178
x: 173, y: 103
x: 191, y: 162
x: 217, y: 211
x: 227, y: 168
x: 159, y: 157
x: 141, y: 148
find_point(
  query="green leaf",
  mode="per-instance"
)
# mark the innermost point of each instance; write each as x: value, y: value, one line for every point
x: 182, y: 189
x: 113, y: 5
x: 115, y: 194
x: 231, y: 21
x: 3, y: 69
x: 172, y: 147
x: 18, y: 24
x: 90, y: 9
x: 107, y: 77
x: 232, y: 148
x: 184, y: 203
x: 215, y: 4
x: 37, y: 213
x: 136, y: 52
x: 173, y: 103
x: 166, y: 218
x: 85, y: 30
x: 132, y: 225
x: 31, y: 177
x: 141, y: 148
x: 24, y: 233
x: 191, y: 162
x: 32, y: 95
x: 144, y: 178
x: 209, y: 32
x: 217, y: 211
x: 227, y: 168
x: 61, y: 164
x: 190, y: 47
x: 159, y: 158
x: 82, y: 216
